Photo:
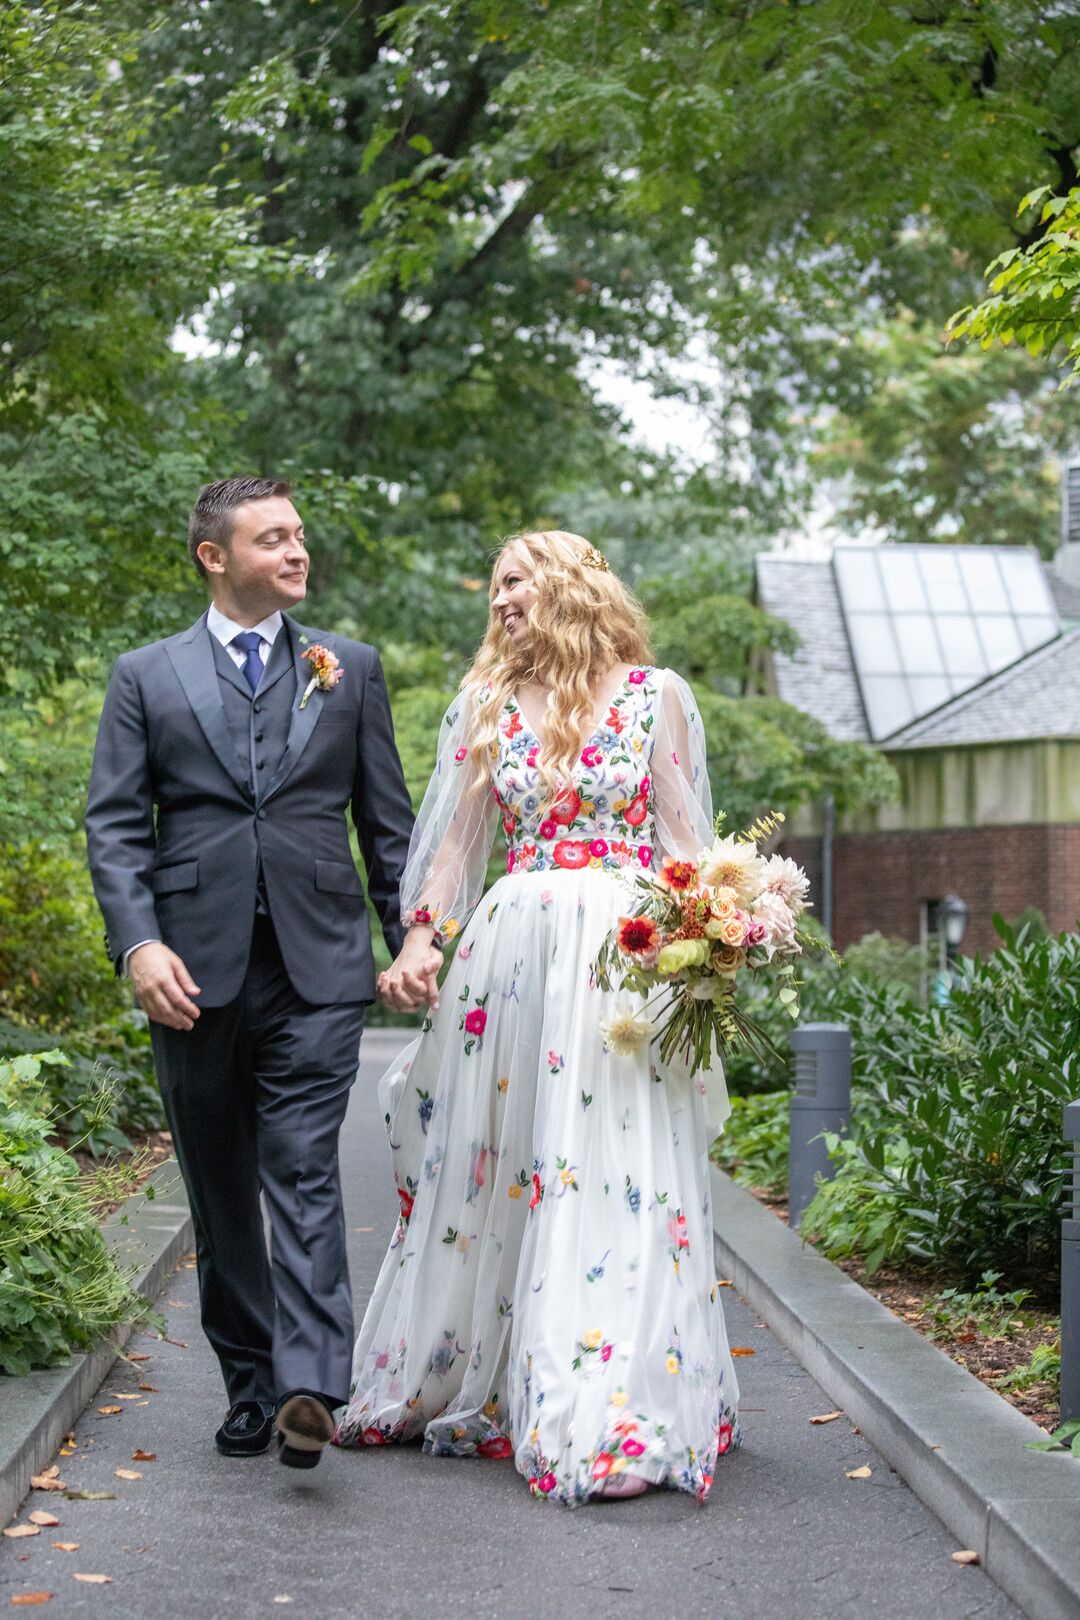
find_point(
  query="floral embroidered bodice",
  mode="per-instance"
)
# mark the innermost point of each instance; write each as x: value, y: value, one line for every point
x: 604, y: 819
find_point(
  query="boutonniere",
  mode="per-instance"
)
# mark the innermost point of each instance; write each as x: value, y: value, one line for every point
x: 326, y: 670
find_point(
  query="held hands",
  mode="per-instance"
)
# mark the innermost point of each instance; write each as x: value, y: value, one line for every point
x: 412, y: 980
x: 163, y: 986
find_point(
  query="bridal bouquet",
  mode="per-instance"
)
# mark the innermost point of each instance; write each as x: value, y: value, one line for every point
x: 698, y: 924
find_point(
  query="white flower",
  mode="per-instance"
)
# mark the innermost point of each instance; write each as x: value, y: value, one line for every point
x: 777, y: 916
x: 731, y: 865
x: 625, y: 1033
x: 788, y: 880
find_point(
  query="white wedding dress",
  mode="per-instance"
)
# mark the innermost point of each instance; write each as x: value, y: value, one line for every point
x: 549, y: 1292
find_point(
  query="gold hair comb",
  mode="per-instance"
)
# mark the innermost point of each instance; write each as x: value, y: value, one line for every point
x: 592, y: 558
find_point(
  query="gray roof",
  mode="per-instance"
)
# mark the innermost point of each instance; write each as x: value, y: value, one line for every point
x: 1038, y: 696
x: 820, y: 677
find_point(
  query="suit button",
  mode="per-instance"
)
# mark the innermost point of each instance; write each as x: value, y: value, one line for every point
x: 260, y: 815
x: 260, y: 764
x: 258, y: 736
x: 256, y: 709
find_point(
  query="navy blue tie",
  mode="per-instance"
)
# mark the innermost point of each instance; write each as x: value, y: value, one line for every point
x: 249, y: 642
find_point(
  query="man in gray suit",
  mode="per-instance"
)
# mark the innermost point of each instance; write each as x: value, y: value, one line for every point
x: 219, y: 850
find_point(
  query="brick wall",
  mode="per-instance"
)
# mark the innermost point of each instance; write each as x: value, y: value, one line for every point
x: 880, y: 879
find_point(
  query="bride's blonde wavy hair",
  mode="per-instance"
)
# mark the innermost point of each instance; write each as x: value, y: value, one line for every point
x: 584, y: 621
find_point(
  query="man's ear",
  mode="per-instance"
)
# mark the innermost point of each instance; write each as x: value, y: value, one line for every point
x: 212, y: 556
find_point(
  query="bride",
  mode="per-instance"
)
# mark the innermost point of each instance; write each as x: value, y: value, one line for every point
x: 549, y: 1290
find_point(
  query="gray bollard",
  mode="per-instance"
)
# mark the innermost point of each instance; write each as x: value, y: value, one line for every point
x: 1070, y: 1272
x: 822, y: 1102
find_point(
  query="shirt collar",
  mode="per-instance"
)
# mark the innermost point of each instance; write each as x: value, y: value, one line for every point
x: 225, y: 629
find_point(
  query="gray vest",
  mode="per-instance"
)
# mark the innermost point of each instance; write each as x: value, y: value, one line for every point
x: 260, y: 728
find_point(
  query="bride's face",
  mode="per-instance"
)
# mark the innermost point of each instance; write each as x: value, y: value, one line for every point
x: 515, y: 594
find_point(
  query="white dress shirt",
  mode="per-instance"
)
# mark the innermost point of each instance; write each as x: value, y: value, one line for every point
x: 224, y: 629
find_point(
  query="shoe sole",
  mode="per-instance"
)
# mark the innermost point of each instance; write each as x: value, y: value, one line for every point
x: 229, y: 1451
x: 304, y: 1427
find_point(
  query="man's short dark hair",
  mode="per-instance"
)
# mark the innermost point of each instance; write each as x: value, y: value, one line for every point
x: 212, y: 515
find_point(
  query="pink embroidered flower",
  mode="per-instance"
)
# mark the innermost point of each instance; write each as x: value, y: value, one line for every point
x: 646, y: 785
x: 546, y: 897
x: 382, y: 1360
x: 591, y: 756
x: 644, y: 854
x: 555, y: 1062
x: 633, y: 1448
x: 464, y: 952
x: 636, y: 676
x: 530, y: 758
x: 548, y: 828
x: 476, y: 1021
x: 509, y: 860
x: 598, y: 847
x: 605, y: 1352
x: 462, y: 753
x: 546, y: 1483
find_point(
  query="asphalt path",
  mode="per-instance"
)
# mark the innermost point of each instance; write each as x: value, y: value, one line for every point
x: 389, y: 1532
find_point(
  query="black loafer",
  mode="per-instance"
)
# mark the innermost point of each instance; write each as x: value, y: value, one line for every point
x: 246, y: 1432
x: 304, y: 1426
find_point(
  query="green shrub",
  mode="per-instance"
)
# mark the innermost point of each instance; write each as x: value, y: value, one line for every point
x: 131, y: 1105
x: 956, y: 1154
x: 60, y: 1289
x: 754, y: 1146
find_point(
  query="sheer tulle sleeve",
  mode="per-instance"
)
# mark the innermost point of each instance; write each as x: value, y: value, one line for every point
x: 682, y: 797
x: 453, y: 835
x: 683, y: 825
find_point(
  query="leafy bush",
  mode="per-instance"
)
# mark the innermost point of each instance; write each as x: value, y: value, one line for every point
x: 754, y: 1146
x: 956, y: 1153
x: 60, y: 1289
x: 130, y: 1104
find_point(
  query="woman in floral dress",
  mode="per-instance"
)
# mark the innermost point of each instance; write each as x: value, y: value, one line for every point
x: 549, y: 1292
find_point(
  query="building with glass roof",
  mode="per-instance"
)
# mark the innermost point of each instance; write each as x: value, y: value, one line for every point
x: 962, y: 665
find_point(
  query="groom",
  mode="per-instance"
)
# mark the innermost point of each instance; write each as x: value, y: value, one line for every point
x: 219, y: 850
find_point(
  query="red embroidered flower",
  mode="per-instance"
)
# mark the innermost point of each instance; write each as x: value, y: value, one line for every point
x: 508, y: 825
x: 637, y: 810
x: 421, y: 915
x: 476, y: 1021
x: 566, y: 807
x: 546, y: 1483
x: 598, y: 847
x: 638, y: 935
x: 373, y: 1437
x: 679, y: 875
x: 725, y: 1434
x: 537, y: 1191
x: 406, y: 1200
x: 636, y: 676
x: 571, y: 853
x: 591, y: 756
x: 615, y: 721
x: 602, y: 1465
x: 513, y: 726
x: 497, y: 1446
x: 548, y: 828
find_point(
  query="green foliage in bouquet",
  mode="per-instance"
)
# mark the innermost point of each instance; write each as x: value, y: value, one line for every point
x: 60, y: 1289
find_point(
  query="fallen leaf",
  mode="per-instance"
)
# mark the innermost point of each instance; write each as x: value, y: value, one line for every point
x: 181, y: 1344
x: 15, y: 1530
x: 724, y: 1282
x: 95, y: 1580
x: 39, y: 1516
x: 936, y: 1446
x: 144, y: 1403
x: 827, y: 1417
x: 50, y: 1472
x: 66, y: 1546
x: 46, y: 1482
x: 179, y: 1305
x: 67, y: 1451
x: 741, y: 1350
x: 69, y: 1438
x: 127, y: 1397
x: 151, y: 1389
x: 90, y: 1496
x: 110, y: 1411
x: 858, y: 1473
x: 127, y: 1473
x: 32, y: 1597
x: 135, y: 1357
x: 965, y: 1557
x: 144, y: 1456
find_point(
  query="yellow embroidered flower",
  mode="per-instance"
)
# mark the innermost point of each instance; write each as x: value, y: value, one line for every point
x: 504, y: 1081
x: 450, y: 927
x: 566, y: 1177
x: 463, y: 1244
x: 637, y: 745
x: 672, y: 1364
x: 619, y: 1398
x: 513, y: 1191
x: 491, y: 1408
x: 595, y: 861
x: 619, y: 806
x: 534, y: 1437
x: 593, y: 1339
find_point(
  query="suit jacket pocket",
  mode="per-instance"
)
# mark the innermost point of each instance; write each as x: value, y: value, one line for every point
x: 338, y: 877
x: 171, y: 879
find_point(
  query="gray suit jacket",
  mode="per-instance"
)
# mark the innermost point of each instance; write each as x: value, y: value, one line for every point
x: 176, y: 829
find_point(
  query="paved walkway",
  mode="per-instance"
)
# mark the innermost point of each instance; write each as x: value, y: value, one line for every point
x: 397, y: 1535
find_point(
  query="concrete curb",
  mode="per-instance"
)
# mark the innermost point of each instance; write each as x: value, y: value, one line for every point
x: 960, y: 1447
x: 148, y: 1235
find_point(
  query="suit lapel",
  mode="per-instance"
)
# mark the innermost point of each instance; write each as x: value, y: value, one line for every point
x: 192, y: 657
x: 302, y: 721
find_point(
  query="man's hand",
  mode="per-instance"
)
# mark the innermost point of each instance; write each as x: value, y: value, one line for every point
x: 163, y: 986
x: 413, y: 979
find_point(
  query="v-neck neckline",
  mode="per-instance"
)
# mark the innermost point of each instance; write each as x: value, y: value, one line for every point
x: 598, y: 726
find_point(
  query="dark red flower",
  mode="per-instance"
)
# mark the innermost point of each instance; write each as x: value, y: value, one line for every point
x: 566, y: 807
x: 638, y: 935
x: 497, y: 1446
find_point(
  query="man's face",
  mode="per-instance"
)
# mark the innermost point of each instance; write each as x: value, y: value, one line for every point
x: 265, y: 564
